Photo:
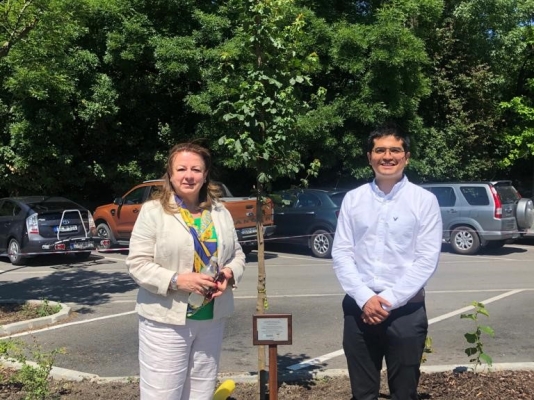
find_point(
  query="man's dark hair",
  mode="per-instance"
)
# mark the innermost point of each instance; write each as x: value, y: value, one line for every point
x: 388, y: 130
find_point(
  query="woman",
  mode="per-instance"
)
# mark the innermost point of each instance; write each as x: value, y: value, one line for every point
x: 176, y: 234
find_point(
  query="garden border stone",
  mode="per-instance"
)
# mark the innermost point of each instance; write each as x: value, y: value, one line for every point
x: 35, y: 323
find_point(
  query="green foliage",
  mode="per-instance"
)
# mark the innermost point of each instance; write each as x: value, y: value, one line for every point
x: 475, y: 351
x: 428, y: 349
x: 519, y: 138
x: 33, y: 378
x: 265, y: 98
x: 103, y: 88
x: 42, y: 309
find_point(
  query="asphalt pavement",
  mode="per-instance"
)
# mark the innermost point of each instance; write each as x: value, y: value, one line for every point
x: 100, y: 337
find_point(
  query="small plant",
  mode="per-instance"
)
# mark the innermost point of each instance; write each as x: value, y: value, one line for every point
x: 428, y: 349
x: 34, y: 379
x: 43, y: 309
x: 476, y: 351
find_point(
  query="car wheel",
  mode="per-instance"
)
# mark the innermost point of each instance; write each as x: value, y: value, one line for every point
x: 13, y: 252
x: 464, y: 240
x: 82, y: 256
x: 321, y: 243
x: 103, y: 231
x: 524, y: 213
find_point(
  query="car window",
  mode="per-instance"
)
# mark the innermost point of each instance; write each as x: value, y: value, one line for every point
x: 475, y: 195
x: 9, y: 209
x: 337, y: 198
x: 308, y: 200
x: 508, y: 194
x: 136, y: 196
x: 52, y: 204
x: 154, y: 190
x: 284, y: 199
x: 445, y: 195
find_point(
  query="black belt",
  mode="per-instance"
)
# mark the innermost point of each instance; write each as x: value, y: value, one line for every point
x: 419, y: 297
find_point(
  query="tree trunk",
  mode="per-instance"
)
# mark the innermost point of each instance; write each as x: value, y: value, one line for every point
x: 262, y: 298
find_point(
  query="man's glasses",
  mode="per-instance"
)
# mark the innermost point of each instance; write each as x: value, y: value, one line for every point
x: 394, y: 151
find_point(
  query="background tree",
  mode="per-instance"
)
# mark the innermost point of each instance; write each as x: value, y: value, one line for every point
x: 93, y: 93
x: 519, y: 106
x: 374, y: 66
x: 476, y: 50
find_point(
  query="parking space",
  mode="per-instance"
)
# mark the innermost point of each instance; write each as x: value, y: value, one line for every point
x: 103, y: 336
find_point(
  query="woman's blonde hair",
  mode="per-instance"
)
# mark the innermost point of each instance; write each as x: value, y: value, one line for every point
x: 209, y: 192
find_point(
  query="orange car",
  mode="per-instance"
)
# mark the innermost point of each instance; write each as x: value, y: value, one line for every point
x: 115, y: 221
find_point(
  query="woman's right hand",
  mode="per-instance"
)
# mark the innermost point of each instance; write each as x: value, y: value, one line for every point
x: 195, y: 282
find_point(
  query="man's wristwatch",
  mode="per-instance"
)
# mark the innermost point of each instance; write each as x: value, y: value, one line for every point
x: 174, y: 282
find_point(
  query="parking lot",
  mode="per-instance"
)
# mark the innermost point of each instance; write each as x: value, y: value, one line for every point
x: 101, y: 336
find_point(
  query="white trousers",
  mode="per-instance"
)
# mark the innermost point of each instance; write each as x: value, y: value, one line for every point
x: 179, y: 362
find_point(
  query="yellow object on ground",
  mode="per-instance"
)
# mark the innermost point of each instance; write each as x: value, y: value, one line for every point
x: 224, y: 390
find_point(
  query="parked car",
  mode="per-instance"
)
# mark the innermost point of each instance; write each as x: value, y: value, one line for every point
x: 307, y: 217
x: 481, y: 214
x: 115, y: 221
x: 36, y: 225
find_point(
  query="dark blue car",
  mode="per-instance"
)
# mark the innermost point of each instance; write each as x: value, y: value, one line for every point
x: 307, y: 217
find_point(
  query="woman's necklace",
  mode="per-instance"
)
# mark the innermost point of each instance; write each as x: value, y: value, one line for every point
x: 195, y: 211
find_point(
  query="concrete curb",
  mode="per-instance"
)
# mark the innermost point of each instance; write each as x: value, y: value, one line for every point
x: 252, y: 377
x: 36, y: 323
x: 321, y: 374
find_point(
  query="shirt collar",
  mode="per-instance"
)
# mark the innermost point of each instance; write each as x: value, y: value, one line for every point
x: 398, y: 186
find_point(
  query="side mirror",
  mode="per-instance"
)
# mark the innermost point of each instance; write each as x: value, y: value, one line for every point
x: 118, y: 201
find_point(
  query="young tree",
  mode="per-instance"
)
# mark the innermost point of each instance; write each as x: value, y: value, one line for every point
x: 258, y: 92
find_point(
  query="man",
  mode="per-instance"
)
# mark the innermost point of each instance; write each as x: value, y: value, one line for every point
x: 386, y: 247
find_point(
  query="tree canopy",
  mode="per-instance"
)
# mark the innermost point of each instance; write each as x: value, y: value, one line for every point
x: 94, y: 92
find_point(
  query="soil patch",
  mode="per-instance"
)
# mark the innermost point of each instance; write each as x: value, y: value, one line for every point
x: 15, y: 312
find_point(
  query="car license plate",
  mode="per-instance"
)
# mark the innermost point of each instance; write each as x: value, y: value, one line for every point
x: 66, y: 228
x: 82, y: 245
x: 248, y: 231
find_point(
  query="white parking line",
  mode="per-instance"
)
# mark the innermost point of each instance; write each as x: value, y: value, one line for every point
x: 465, y: 309
x: 115, y: 259
x: 51, y: 328
x: 307, y: 258
x: 318, y: 360
x: 483, y: 260
x: 73, y: 270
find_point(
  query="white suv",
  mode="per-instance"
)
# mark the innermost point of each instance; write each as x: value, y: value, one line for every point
x: 481, y: 214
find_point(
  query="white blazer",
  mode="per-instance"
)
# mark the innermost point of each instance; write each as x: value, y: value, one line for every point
x: 161, y: 245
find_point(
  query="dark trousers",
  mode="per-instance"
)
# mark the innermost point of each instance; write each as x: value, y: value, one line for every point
x: 400, y: 340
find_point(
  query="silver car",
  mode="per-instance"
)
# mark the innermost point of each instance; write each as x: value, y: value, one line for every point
x: 481, y: 214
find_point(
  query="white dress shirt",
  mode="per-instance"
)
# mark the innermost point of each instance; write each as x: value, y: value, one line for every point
x: 387, y: 244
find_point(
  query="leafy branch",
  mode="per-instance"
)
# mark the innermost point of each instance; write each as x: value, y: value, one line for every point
x: 476, y: 349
